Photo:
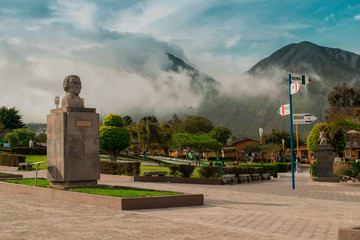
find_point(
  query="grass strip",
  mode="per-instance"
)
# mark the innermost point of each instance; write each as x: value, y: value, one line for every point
x: 106, y: 191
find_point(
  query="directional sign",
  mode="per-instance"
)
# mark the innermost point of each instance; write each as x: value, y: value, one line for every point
x: 295, y: 87
x: 284, y: 110
x: 303, y: 79
x: 303, y: 118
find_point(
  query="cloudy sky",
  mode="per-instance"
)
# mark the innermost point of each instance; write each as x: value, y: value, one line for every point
x: 117, y: 47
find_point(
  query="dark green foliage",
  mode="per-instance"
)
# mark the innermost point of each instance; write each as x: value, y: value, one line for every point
x: 197, y: 124
x: 41, y: 138
x: 19, y: 137
x: 282, y: 167
x: 337, y: 139
x: 209, y: 172
x: 252, y: 147
x: 10, y: 118
x: 12, y: 160
x: 113, y: 120
x: 344, y: 96
x: 182, y: 170
x: 272, y: 169
x: 127, y: 120
x: 313, y: 169
x: 114, y: 139
x: 277, y: 135
x: 29, y: 151
x: 221, y: 134
x: 116, y: 168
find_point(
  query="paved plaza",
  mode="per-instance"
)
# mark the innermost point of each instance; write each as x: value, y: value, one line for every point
x: 259, y: 210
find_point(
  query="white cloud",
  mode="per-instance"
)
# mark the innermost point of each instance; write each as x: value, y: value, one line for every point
x: 357, y: 17
x: 232, y: 41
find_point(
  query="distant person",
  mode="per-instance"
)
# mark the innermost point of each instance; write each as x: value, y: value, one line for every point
x: 144, y: 156
x: 298, y: 164
x: 6, y: 145
x: 211, y: 164
x: 223, y: 164
x: 235, y: 163
x: 31, y: 143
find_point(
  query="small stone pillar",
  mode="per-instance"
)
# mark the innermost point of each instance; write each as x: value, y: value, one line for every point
x: 73, y: 157
x: 325, y: 160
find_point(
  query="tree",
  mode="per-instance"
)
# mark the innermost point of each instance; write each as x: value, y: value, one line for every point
x: 277, y: 135
x: 114, y: 137
x: 342, y: 100
x: 165, y: 134
x: 197, y: 124
x: 20, y: 137
x: 252, y: 147
x: 176, y: 124
x: 127, y: 120
x: 10, y: 118
x: 221, y: 134
x: 273, y: 148
x: 336, y: 139
x: 148, y: 131
x: 181, y: 141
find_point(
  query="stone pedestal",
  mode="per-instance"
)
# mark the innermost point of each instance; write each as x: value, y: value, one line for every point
x: 73, y: 158
x: 325, y: 160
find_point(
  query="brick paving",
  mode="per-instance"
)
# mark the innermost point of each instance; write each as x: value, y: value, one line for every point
x: 259, y: 210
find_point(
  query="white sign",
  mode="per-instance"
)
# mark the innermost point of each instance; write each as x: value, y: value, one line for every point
x: 294, y: 87
x: 303, y: 118
x: 284, y: 110
x: 303, y: 79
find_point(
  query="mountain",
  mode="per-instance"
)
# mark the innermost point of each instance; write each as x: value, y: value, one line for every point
x: 328, y: 67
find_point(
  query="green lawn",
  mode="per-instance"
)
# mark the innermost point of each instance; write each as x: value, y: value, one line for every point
x: 107, y: 191
x: 37, y: 158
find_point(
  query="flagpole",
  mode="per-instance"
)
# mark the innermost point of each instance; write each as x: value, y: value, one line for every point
x: 291, y: 136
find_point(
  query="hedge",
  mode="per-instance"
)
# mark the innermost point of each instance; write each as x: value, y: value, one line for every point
x: 117, y: 168
x: 182, y: 170
x: 12, y: 160
x: 272, y: 169
x: 209, y: 172
x: 28, y: 150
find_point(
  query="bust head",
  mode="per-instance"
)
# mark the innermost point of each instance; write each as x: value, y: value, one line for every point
x: 72, y: 84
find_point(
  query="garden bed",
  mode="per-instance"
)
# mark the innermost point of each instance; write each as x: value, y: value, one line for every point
x: 211, y: 181
x: 134, y: 198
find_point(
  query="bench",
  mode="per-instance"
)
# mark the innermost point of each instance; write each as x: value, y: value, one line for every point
x: 265, y: 176
x: 159, y: 173
x: 244, y: 178
x: 229, y: 178
x: 25, y: 165
x: 255, y: 177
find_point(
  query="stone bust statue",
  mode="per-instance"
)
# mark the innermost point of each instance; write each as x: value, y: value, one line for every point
x: 323, y: 140
x: 72, y: 87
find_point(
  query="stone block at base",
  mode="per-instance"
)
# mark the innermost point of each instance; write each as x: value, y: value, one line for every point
x: 349, y: 234
x: 73, y: 184
x: 326, y: 179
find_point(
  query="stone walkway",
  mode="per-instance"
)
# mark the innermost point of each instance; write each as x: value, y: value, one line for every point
x: 260, y: 210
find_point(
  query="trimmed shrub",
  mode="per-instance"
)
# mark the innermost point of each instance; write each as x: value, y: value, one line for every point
x: 182, y: 170
x: 113, y: 120
x: 11, y: 160
x: 19, y: 137
x: 117, y: 168
x: 283, y: 167
x: 209, y: 172
x: 29, y: 151
x: 313, y: 169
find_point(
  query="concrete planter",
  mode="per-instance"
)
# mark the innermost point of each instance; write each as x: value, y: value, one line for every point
x: 349, y: 233
x: 10, y: 176
x: 105, y: 201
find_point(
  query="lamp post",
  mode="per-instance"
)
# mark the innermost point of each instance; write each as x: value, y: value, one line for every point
x: 283, y: 142
x: 57, y: 101
x: 261, y: 131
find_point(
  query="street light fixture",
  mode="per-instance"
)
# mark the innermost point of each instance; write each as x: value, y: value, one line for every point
x: 261, y: 131
x: 283, y: 142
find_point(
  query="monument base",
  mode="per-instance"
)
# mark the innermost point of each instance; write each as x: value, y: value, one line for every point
x: 74, y: 184
x: 326, y: 179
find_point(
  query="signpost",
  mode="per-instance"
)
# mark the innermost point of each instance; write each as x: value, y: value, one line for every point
x: 291, y: 136
x: 303, y: 79
x: 295, y: 87
x: 284, y: 110
x: 303, y: 118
